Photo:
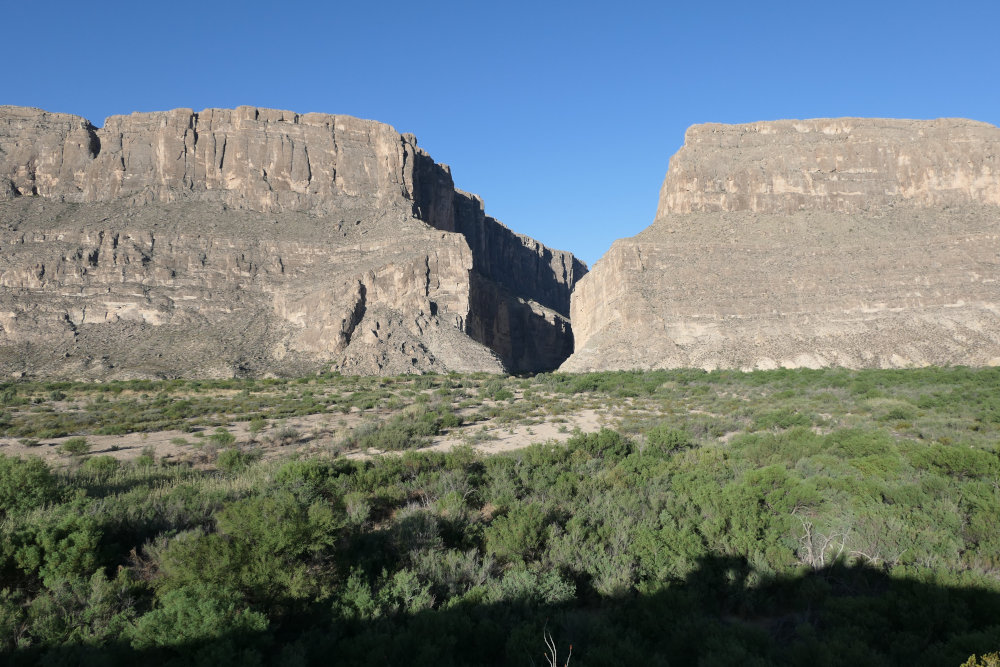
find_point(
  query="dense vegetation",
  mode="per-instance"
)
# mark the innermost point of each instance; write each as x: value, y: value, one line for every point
x: 820, y: 518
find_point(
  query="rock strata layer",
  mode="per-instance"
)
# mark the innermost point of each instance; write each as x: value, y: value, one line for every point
x: 849, y: 242
x: 255, y: 241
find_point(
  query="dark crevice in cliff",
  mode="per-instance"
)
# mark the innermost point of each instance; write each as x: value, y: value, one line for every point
x: 357, y: 314
x: 95, y: 141
x: 509, y: 271
x: 527, y: 341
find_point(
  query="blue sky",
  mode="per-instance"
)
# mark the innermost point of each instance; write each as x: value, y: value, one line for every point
x: 561, y: 115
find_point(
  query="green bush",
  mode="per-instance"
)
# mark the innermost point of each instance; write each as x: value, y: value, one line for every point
x: 257, y: 424
x: 780, y: 419
x: 61, y: 544
x: 222, y: 438
x: 101, y: 465
x: 285, y: 435
x: 271, y: 547
x: 664, y: 439
x: 519, y: 535
x: 405, y: 431
x: 956, y: 460
x: 9, y: 397
x: 75, y: 447
x: 232, y: 460
x: 857, y: 443
x: 606, y: 444
x: 25, y: 484
x: 147, y: 459
x: 83, y: 610
x: 205, y: 624
x: 502, y: 395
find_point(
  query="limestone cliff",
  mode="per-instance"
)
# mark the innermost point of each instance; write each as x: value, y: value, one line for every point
x: 852, y: 242
x: 842, y: 165
x: 251, y: 241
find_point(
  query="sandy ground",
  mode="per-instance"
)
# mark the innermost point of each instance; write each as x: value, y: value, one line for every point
x: 319, y: 433
x: 508, y: 438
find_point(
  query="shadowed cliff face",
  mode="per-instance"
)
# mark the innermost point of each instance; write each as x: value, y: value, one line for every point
x: 518, y: 263
x: 270, y: 242
x: 850, y: 242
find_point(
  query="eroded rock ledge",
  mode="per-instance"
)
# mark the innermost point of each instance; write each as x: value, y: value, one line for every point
x: 852, y: 242
x: 253, y: 241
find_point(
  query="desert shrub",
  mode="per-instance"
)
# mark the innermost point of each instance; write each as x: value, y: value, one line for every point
x: 222, y: 438
x: 981, y: 504
x: 899, y: 412
x: 525, y: 585
x: 664, y: 439
x: 257, y: 424
x: 82, y: 610
x: 114, y: 429
x: 205, y: 625
x: 405, y: 431
x: 12, y: 620
x: 272, y: 547
x: 308, y: 479
x: 50, y: 433
x: 605, y: 444
x: 857, y: 443
x: 285, y: 435
x: 772, y: 447
x: 752, y: 517
x: 75, y: 447
x: 147, y: 458
x: 518, y: 535
x: 780, y: 419
x: 956, y: 460
x: 496, y: 389
x: 452, y: 572
x: 101, y: 465
x: 61, y: 544
x: 25, y: 484
x: 232, y: 460
x: 9, y: 396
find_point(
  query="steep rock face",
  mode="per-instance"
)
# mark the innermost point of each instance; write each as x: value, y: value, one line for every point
x: 841, y: 165
x: 251, y: 241
x: 851, y: 242
x: 260, y: 159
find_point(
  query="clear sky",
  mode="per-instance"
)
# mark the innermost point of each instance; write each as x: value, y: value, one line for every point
x: 561, y: 115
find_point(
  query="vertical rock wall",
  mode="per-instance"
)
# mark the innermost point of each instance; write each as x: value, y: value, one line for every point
x: 850, y: 242
x: 362, y: 184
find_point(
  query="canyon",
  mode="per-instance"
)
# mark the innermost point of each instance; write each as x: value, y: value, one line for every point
x: 251, y: 242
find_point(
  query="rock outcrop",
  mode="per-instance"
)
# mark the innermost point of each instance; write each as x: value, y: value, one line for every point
x: 255, y: 241
x: 850, y: 242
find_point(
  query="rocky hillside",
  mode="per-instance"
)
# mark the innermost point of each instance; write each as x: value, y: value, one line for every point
x: 255, y: 241
x: 851, y: 242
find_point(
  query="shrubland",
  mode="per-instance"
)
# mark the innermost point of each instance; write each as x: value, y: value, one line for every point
x: 789, y: 517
